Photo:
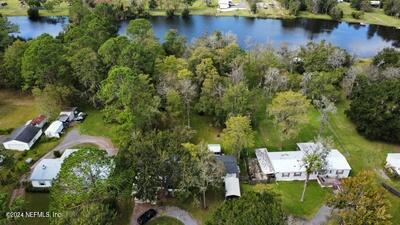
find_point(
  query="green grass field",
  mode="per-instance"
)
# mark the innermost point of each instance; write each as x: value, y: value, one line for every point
x: 290, y: 193
x: 14, y: 8
x: 94, y: 125
x: 165, y: 220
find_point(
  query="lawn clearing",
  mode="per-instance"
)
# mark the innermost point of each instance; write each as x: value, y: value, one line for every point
x: 14, y: 8
x: 290, y: 193
x: 205, y: 129
x: 165, y: 220
x: 16, y: 108
x: 95, y: 125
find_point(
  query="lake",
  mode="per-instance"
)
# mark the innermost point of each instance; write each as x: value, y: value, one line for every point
x: 362, y: 41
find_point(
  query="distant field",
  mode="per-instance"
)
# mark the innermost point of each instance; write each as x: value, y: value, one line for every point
x: 14, y: 8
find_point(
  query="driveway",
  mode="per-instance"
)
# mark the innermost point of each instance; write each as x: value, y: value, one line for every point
x: 73, y: 138
x: 170, y: 211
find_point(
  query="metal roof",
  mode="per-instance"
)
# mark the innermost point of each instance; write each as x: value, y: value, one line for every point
x: 24, y: 134
x: 229, y: 163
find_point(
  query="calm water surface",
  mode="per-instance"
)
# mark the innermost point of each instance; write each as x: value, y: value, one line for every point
x: 363, y: 41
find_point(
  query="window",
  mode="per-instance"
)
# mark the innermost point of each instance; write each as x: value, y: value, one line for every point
x: 339, y: 172
x: 285, y: 174
x: 297, y: 174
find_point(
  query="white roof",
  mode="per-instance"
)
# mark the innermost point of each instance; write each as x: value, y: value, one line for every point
x: 232, y: 186
x: 291, y: 161
x: 54, y: 127
x: 393, y: 159
x: 216, y: 148
x: 48, y: 169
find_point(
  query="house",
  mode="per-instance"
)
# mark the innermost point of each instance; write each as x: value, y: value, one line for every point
x: 68, y: 114
x: 214, y: 148
x: 39, y: 121
x: 288, y: 165
x: 54, y: 130
x: 224, y: 4
x: 231, y: 178
x: 23, y: 138
x: 393, y: 163
x: 47, y: 170
x: 375, y: 3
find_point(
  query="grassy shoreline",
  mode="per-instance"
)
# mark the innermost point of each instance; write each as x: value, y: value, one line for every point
x: 376, y: 17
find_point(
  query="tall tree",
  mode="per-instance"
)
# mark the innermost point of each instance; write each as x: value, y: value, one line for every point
x: 314, y: 161
x: 83, y: 190
x: 6, y: 28
x: 12, y: 61
x: 174, y: 44
x: 44, y: 63
x: 53, y: 98
x: 110, y: 50
x: 201, y: 172
x: 361, y: 201
x: 289, y: 110
x: 325, y: 108
x: 129, y: 100
x: 187, y: 89
x: 236, y: 100
x: 238, y: 135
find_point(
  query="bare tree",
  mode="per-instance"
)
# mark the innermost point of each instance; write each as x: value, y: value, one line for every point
x: 349, y: 80
x: 237, y: 75
x: 337, y: 58
x: 391, y: 73
x: 326, y: 108
x: 187, y: 89
x: 307, y: 77
x: 274, y: 81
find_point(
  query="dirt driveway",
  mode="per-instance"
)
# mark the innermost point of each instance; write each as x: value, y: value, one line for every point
x: 170, y: 211
x: 73, y: 138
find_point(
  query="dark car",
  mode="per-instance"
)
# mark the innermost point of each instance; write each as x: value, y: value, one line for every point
x: 146, y: 216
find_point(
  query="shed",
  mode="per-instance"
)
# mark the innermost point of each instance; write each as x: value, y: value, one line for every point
x: 54, y: 130
x: 23, y: 138
x: 232, y: 187
x: 224, y: 4
x: 393, y: 162
x: 214, y: 148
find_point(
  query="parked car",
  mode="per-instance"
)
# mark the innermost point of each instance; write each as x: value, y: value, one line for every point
x: 81, y: 116
x: 146, y: 216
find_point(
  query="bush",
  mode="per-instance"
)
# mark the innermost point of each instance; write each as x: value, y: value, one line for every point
x: 170, y: 12
x: 33, y: 13
x: 185, y: 13
x: 5, y: 131
x: 387, y: 57
x: 336, y: 13
x: 152, y: 4
x: 357, y: 14
x: 57, y: 154
x: 253, y: 7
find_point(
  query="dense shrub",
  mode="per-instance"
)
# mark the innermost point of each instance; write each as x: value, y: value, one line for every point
x: 33, y: 13
x: 387, y: 57
x: 253, y: 7
x: 392, y: 7
x: 336, y: 13
x: 375, y: 109
x: 362, y: 5
x: 185, y: 13
x: 357, y: 14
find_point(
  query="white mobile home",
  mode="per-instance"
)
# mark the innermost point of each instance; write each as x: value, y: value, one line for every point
x: 393, y: 162
x: 22, y: 139
x: 54, y: 130
x: 288, y: 165
x: 47, y: 170
x: 224, y: 4
x: 231, y: 178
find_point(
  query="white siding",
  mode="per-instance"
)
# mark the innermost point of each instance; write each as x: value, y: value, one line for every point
x: 16, y: 145
x: 37, y: 136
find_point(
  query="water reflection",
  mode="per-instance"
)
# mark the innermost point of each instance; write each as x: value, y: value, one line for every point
x: 360, y: 40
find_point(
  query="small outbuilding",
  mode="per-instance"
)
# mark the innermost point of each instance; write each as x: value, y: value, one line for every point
x: 393, y: 163
x: 69, y: 113
x: 224, y: 4
x: 22, y: 139
x: 214, y: 148
x: 55, y: 129
x: 232, y: 187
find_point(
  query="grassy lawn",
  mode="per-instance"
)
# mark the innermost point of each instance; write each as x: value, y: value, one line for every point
x: 205, y: 129
x: 377, y: 16
x: 94, y: 125
x: 290, y: 193
x: 165, y: 220
x: 16, y: 108
x: 14, y: 8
